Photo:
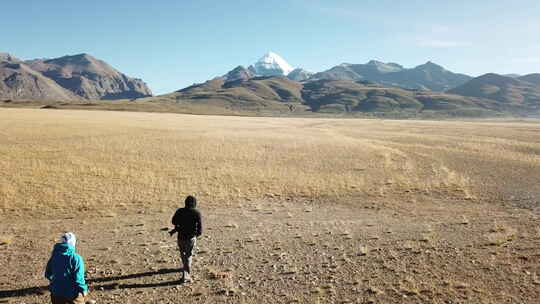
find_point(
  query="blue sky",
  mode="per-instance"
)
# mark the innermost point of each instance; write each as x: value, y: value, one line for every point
x: 173, y: 44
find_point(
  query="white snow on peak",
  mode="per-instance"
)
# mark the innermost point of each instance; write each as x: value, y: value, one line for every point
x: 272, y: 62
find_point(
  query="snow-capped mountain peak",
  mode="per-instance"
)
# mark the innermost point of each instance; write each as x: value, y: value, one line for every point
x: 271, y: 64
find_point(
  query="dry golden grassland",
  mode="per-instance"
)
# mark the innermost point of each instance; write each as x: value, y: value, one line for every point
x: 100, y: 161
x: 296, y: 210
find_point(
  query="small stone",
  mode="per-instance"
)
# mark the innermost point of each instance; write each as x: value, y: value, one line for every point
x: 290, y: 272
x: 363, y: 251
x: 223, y: 292
x: 373, y: 290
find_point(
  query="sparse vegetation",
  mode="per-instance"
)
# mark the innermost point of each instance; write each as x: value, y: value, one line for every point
x: 500, y: 234
x: 6, y: 239
x: 127, y: 159
x: 297, y: 210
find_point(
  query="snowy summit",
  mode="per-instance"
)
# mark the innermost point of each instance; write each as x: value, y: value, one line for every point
x: 271, y: 64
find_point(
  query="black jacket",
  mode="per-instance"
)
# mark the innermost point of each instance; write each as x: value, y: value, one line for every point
x: 187, y: 222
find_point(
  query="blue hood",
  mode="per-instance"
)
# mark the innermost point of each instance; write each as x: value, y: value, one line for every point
x: 64, y: 249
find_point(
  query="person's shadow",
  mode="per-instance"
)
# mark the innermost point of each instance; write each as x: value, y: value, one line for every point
x: 40, y: 290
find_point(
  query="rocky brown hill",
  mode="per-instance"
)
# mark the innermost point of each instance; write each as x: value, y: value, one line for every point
x: 90, y: 78
x: 509, y: 92
x: 19, y: 82
x: 68, y: 78
x: 239, y: 72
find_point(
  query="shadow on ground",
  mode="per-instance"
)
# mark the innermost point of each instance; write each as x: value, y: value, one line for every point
x: 41, y: 290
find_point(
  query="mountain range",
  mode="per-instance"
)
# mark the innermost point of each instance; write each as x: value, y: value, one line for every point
x: 278, y: 93
x: 271, y: 64
x: 428, y: 76
x: 371, y: 87
x: 68, y: 78
x: 273, y: 84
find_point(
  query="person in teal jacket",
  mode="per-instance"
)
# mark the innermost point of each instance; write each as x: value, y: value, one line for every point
x: 65, y: 271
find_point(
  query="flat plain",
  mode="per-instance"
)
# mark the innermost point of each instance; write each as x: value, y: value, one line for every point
x: 296, y: 209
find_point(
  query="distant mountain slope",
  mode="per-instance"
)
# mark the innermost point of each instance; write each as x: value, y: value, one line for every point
x: 343, y: 71
x: 299, y: 75
x: 361, y: 96
x: 428, y: 76
x: 8, y: 57
x: 512, y: 75
x: 348, y: 96
x: 90, y: 78
x: 18, y: 81
x: 508, y: 91
x: 531, y: 78
x: 324, y: 96
x: 239, y: 73
x: 254, y: 89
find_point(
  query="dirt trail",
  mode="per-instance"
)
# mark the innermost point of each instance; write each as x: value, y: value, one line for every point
x: 284, y: 251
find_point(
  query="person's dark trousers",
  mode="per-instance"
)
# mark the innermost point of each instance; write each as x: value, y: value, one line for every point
x: 186, y: 245
x: 62, y: 300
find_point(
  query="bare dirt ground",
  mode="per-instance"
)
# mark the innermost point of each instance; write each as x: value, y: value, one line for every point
x: 445, y: 212
x: 275, y: 251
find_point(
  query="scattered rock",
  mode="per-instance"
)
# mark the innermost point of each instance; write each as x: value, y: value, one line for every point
x: 223, y: 292
x: 363, y: 251
x: 373, y: 290
x: 290, y: 272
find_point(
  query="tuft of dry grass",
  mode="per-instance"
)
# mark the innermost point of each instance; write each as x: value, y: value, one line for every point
x: 215, y: 274
x: 6, y: 239
x: 500, y: 234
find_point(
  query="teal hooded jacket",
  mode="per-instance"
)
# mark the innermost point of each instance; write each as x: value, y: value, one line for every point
x: 65, y: 270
